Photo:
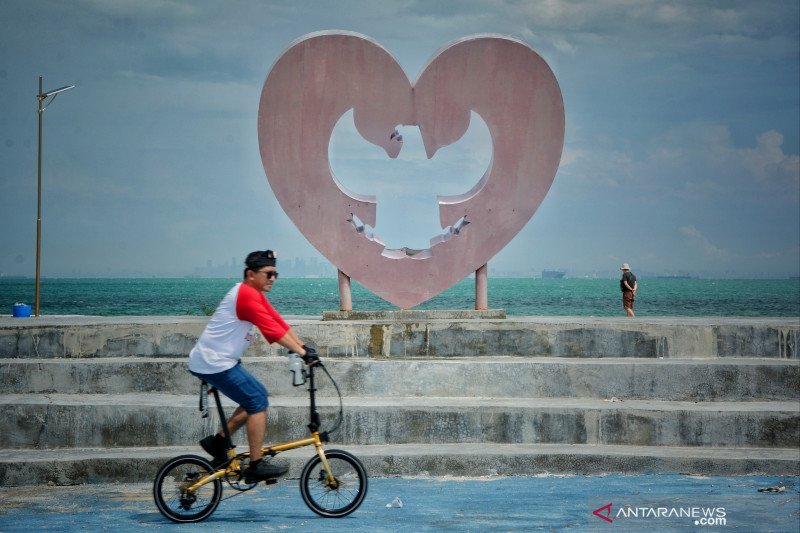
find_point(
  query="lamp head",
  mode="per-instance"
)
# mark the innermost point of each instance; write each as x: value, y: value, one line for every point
x: 54, y: 92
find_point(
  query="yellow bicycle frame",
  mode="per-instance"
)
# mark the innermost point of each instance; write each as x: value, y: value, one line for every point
x: 235, y: 467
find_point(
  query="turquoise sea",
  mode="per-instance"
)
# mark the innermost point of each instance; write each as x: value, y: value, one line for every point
x: 518, y: 296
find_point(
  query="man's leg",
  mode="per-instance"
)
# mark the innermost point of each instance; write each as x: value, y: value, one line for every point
x: 236, y: 420
x: 256, y: 431
x: 627, y: 303
x: 251, y: 395
x: 259, y: 468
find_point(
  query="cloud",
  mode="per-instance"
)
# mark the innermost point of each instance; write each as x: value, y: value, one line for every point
x: 697, y: 161
x: 706, y: 245
x: 768, y: 163
x: 793, y: 252
x: 197, y: 96
x: 571, y: 155
x: 647, y: 29
x: 748, y: 260
x: 162, y: 9
x: 706, y: 152
x: 365, y: 168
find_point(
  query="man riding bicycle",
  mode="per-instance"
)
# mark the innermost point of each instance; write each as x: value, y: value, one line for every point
x: 216, y: 358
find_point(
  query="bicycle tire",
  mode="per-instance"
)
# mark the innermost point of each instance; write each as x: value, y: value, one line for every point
x: 172, y: 480
x: 346, y: 496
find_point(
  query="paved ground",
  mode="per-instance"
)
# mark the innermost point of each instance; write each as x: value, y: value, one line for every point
x: 547, y: 503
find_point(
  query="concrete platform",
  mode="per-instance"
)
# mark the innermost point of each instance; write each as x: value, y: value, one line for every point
x: 139, y: 464
x: 98, y: 399
x: 680, y: 337
x: 112, y: 420
x: 671, y: 379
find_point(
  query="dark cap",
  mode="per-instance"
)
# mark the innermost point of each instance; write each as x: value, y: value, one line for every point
x: 259, y: 259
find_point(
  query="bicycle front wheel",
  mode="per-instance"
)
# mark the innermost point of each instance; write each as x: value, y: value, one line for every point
x: 337, y: 498
x: 171, y: 484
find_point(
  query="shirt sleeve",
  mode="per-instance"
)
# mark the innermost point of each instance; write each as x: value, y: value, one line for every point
x: 277, y: 317
x: 253, y: 307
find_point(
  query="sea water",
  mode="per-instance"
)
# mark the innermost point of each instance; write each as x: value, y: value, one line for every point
x: 518, y: 296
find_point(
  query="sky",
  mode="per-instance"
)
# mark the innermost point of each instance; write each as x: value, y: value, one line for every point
x: 680, y: 153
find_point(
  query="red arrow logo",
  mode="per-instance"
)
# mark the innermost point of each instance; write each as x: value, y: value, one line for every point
x: 599, y: 513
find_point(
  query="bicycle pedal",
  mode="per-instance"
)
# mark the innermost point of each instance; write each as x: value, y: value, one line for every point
x: 270, y: 481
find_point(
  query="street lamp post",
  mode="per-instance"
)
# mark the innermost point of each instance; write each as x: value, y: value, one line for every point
x: 41, y: 97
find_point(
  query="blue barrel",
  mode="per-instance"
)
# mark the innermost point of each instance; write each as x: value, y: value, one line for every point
x: 22, y: 311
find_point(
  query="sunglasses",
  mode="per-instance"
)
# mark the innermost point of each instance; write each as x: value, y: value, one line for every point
x: 270, y: 274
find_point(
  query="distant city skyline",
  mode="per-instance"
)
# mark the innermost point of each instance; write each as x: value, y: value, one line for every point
x: 313, y: 267
x: 682, y: 148
x: 294, y: 267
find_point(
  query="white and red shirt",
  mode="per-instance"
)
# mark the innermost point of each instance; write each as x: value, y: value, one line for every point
x: 230, y: 330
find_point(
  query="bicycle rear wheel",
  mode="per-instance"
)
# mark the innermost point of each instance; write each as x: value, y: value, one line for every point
x: 344, y: 495
x: 172, y: 480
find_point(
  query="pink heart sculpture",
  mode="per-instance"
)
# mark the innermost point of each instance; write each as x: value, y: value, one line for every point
x: 322, y: 76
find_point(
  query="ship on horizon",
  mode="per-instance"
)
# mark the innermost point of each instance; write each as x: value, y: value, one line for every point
x: 553, y: 274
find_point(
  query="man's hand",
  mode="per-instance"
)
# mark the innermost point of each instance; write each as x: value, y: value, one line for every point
x: 311, y: 358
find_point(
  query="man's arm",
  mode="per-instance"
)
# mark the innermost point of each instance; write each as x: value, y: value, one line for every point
x: 253, y: 307
x: 292, y: 342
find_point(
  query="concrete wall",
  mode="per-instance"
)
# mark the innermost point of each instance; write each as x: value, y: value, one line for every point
x: 537, y: 336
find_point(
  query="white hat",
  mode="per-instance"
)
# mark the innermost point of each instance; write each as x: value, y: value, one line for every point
x: 624, y: 266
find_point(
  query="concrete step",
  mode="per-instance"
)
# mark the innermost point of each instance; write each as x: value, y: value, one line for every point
x: 718, y: 379
x: 127, y: 465
x: 124, y: 420
x: 682, y: 337
x: 436, y: 396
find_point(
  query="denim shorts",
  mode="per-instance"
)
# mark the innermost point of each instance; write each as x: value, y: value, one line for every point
x: 240, y: 386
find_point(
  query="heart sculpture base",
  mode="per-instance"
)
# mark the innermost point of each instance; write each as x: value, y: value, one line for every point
x: 324, y: 75
x: 415, y: 315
